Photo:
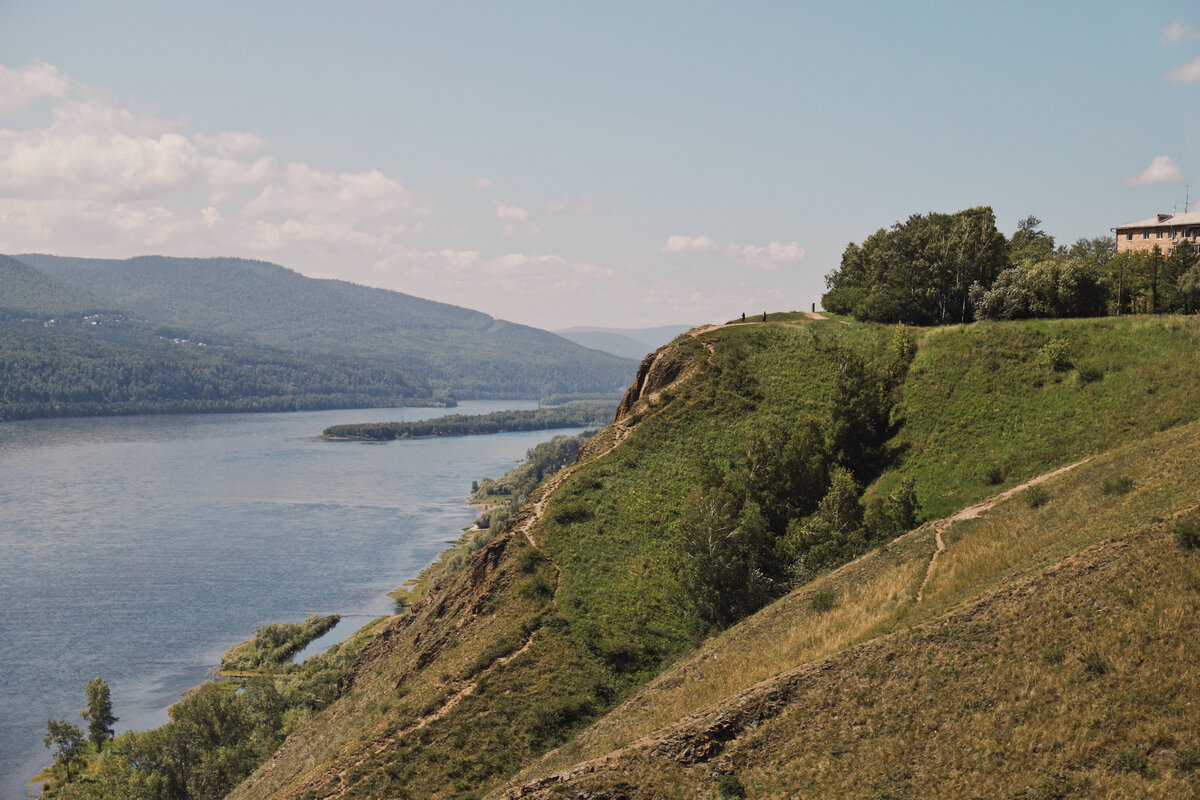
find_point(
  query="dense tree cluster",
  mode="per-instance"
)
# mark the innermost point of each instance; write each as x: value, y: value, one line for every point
x: 68, y: 370
x: 791, y: 504
x: 569, y: 416
x: 945, y: 268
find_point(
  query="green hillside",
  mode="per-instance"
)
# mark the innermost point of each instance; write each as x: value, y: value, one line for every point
x: 28, y: 293
x: 462, y: 352
x: 1040, y: 648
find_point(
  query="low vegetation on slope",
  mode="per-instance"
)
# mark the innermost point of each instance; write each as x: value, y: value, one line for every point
x: 581, y: 601
x: 1051, y: 655
x: 590, y: 592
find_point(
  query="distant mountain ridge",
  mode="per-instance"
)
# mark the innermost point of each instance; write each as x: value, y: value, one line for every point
x: 459, y: 351
x: 25, y: 291
x: 624, y: 342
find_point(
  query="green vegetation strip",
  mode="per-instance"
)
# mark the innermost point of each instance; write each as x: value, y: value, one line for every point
x: 473, y: 424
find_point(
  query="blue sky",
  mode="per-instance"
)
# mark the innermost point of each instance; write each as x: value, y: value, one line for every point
x: 622, y: 164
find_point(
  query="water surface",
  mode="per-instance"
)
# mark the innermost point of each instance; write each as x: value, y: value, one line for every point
x: 137, y: 549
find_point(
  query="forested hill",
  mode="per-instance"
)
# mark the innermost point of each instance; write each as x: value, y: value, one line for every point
x: 464, y: 352
x: 27, y: 293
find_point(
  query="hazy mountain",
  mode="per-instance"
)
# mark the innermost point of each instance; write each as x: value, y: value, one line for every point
x: 465, y: 352
x: 624, y: 342
x: 27, y: 292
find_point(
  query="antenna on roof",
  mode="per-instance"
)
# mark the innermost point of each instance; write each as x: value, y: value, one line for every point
x: 1187, y: 196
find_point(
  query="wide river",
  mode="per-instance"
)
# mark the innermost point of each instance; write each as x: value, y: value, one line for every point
x: 138, y: 549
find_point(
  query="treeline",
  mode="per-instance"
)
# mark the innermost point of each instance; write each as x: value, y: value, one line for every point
x: 216, y: 736
x: 938, y: 269
x: 570, y: 416
x: 129, y: 369
x: 275, y: 643
x: 790, y: 505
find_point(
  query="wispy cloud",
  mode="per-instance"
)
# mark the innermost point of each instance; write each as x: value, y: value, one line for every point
x: 517, y: 221
x: 1161, y: 170
x: 1178, y: 32
x: 21, y: 86
x: 770, y: 256
x: 1188, y: 73
x: 481, y: 183
x: 568, y: 205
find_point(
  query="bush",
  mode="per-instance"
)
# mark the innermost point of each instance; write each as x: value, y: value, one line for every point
x: 1093, y: 662
x: 823, y: 600
x: 994, y: 475
x: 1054, y: 355
x: 730, y: 787
x: 529, y: 558
x: 1036, y: 496
x: 1086, y: 373
x: 1187, y: 534
x: 1121, y: 485
x: 1131, y: 761
x: 536, y: 588
x: 1187, y: 760
x: 571, y: 512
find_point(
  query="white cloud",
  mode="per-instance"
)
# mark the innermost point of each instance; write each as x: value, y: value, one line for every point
x: 1161, y: 170
x: 482, y: 183
x: 770, y: 256
x: 310, y: 194
x: 230, y: 144
x: 517, y: 221
x: 21, y: 86
x: 1188, y: 73
x: 569, y: 206
x: 1178, y: 32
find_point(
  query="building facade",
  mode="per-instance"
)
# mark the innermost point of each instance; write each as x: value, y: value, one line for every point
x: 1165, y: 231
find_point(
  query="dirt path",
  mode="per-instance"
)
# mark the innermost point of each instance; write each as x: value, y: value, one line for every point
x: 970, y: 512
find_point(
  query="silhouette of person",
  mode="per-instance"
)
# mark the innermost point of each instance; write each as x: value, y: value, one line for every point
x: 743, y: 316
x: 764, y: 316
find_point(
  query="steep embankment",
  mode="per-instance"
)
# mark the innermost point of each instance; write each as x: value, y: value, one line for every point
x: 547, y: 651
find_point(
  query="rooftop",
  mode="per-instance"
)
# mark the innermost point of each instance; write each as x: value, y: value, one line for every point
x: 1165, y: 221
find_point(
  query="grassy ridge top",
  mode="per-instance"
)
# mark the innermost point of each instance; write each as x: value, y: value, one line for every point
x: 578, y: 605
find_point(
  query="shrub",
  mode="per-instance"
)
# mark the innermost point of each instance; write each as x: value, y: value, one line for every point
x: 529, y: 558
x: 1187, y: 759
x: 1131, y: 761
x: 1086, y: 373
x: 823, y: 600
x: 1049, y: 788
x: 571, y: 512
x: 730, y: 787
x: 1053, y: 655
x: 994, y: 475
x: 1093, y: 662
x: 1036, y: 496
x: 1187, y: 534
x: 1121, y: 485
x: 536, y: 588
x: 1054, y: 355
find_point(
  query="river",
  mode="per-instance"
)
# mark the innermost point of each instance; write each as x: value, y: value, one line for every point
x: 137, y: 549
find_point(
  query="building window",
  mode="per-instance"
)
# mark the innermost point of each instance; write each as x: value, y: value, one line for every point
x: 1145, y: 234
x: 1158, y: 234
x: 1129, y: 237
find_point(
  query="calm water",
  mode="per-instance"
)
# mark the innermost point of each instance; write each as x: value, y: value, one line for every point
x: 138, y: 549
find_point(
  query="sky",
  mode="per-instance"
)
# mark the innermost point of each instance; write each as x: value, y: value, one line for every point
x: 567, y: 163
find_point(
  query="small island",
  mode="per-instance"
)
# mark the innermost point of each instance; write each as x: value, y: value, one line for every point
x: 542, y: 419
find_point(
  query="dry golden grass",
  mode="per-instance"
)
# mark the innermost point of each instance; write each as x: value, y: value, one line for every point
x: 875, y: 596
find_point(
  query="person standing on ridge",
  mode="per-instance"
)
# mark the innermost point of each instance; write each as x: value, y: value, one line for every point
x: 743, y: 316
x: 764, y: 316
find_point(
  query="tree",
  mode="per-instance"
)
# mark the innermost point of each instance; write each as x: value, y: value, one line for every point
x: 99, y: 713
x: 66, y: 740
x: 1030, y: 243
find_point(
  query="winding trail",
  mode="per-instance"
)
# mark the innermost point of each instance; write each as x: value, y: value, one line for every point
x: 970, y: 512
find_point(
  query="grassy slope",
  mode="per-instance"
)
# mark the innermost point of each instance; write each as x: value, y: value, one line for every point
x: 979, y: 691
x: 409, y: 725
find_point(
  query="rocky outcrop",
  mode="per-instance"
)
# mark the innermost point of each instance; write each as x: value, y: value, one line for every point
x: 657, y: 371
